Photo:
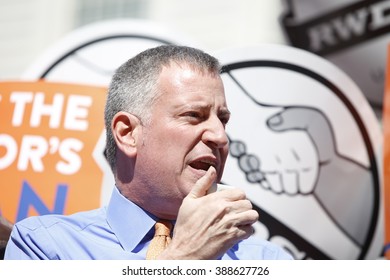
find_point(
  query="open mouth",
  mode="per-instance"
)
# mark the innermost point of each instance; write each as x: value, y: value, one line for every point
x: 203, y: 164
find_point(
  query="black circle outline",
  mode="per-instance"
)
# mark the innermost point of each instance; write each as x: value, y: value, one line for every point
x: 118, y: 36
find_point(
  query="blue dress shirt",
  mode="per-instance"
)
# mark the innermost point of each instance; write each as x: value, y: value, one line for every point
x: 121, y: 230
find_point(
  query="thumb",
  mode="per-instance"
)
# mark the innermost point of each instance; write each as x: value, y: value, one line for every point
x: 313, y: 121
x: 203, y: 184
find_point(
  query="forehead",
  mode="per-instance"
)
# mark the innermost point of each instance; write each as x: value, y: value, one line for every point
x: 181, y: 87
x: 183, y: 83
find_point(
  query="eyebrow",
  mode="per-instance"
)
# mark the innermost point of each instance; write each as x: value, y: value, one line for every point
x: 223, y: 111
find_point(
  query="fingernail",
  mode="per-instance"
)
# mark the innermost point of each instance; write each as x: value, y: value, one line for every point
x: 212, y: 170
x: 275, y: 120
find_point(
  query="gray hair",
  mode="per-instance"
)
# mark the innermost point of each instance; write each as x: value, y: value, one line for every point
x: 133, y: 86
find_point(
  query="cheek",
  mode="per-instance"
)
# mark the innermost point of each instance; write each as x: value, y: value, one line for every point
x: 166, y: 145
x: 169, y: 143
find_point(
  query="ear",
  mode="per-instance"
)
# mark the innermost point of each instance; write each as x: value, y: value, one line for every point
x: 126, y: 131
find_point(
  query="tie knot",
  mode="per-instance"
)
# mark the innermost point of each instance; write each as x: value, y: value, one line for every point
x: 163, y: 228
x: 160, y: 240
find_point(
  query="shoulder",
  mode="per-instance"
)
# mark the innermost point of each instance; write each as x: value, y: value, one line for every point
x: 77, y: 221
x: 54, y: 236
x: 255, y: 248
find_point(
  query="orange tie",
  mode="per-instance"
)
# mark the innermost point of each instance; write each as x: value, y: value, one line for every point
x: 160, y: 240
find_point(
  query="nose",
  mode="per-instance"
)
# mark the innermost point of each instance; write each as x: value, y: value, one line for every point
x: 215, y: 134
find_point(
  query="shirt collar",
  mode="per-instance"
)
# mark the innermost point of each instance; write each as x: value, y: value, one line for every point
x: 129, y: 222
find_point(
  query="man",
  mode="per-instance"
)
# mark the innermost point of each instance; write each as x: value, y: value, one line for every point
x: 166, y: 144
x: 5, y: 231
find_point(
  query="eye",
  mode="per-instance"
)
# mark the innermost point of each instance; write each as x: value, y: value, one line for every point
x: 194, y: 116
x: 225, y: 119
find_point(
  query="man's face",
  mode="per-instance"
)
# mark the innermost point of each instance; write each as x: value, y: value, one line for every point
x: 186, y: 134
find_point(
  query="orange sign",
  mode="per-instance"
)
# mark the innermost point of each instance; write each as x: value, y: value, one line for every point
x: 386, y: 151
x: 48, y: 135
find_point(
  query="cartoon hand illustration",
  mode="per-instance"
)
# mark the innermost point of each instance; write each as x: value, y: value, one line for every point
x: 342, y: 183
x: 317, y: 128
x: 288, y: 164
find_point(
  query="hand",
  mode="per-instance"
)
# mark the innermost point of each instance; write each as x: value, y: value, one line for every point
x: 339, y: 178
x: 298, y: 174
x: 208, y: 225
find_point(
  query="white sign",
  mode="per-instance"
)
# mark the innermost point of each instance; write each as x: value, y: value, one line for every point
x: 307, y: 147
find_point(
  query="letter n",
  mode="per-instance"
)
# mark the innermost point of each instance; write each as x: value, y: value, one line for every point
x: 30, y: 198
